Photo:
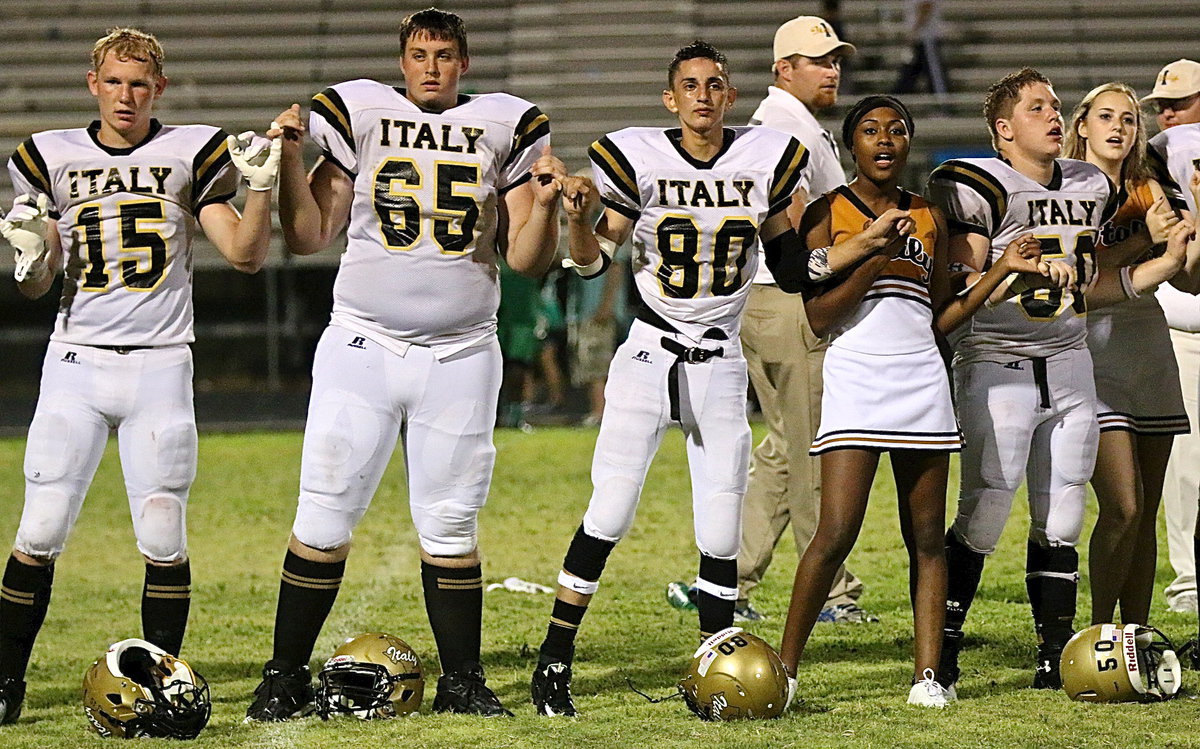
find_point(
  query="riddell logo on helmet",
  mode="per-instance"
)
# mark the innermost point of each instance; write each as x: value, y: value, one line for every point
x: 1131, y: 652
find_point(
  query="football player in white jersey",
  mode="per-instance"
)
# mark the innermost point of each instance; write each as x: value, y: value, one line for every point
x: 116, y: 204
x: 694, y: 199
x: 1025, y: 395
x: 433, y: 185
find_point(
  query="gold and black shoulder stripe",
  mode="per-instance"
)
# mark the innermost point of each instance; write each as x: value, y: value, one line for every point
x: 605, y: 155
x: 787, y: 175
x: 329, y: 105
x: 532, y: 126
x: 32, y: 166
x: 1158, y: 169
x: 1115, y: 199
x: 979, y: 180
x: 208, y: 163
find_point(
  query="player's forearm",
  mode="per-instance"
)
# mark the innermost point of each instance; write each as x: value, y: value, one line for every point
x: 252, y: 237
x: 827, y: 311
x: 300, y: 215
x: 581, y: 242
x: 532, y: 251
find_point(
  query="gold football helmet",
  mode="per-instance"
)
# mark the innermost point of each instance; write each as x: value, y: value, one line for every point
x: 138, y: 689
x: 374, y: 675
x: 1108, y: 663
x: 735, y: 675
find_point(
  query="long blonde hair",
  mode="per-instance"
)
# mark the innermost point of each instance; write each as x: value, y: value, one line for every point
x: 1135, y: 167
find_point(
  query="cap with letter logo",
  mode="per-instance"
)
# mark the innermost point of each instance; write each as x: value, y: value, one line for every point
x: 1177, y: 80
x: 810, y: 36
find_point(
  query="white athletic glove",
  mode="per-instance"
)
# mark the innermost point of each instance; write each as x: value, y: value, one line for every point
x: 257, y: 158
x: 25, y: 229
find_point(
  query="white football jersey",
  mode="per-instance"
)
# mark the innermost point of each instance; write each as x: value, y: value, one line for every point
x: 420, y: 261
x: 695, y: 237
x: 126, y: 218
x: 990, y: 198
x: 1179, y: 148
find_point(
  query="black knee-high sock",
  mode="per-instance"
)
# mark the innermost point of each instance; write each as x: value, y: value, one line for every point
x: 716, y: 612
x: 24, y: 598
x: 585, y: 559
x: 306, y: 594
x: 964, y: 569
x: 166, y: 598
x: 1051, y: 578
x: 454, y: 603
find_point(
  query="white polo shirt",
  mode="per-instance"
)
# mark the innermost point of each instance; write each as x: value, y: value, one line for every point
x: 782, y: 111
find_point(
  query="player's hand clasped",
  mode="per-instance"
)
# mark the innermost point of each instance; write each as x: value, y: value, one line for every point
x: 580, y: 198
x: 257, y: 158
x: 549, y: 174
x: 25, y: 229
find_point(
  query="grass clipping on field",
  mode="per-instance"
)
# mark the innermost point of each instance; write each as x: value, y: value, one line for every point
x: 853, y: 681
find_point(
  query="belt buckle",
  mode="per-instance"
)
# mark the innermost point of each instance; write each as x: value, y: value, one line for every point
x: 695, y: 355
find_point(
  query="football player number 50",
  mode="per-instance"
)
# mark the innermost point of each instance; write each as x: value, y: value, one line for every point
x: 399, y: 210
x: 142, y: 253
x: 681, y: 271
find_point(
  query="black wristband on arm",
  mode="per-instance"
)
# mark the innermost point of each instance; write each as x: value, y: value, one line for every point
x: 787, y: 259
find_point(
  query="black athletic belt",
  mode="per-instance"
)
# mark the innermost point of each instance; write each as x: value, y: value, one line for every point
x: 122, y: 349
x: 650, y: 317
x: 687, y: 355
x: 1043, y: 383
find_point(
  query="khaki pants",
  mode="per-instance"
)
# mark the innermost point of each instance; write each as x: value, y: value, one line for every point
x: 1182, y: 485
x: 784, y: 360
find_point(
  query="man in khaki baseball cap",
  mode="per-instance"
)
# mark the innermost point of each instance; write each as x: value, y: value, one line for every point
x: 1176, y: 94
x: 809, y: 36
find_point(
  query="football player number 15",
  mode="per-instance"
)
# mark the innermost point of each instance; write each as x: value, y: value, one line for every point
x: 398, y: 204
x: 142, y: 253
x: 681, y: 271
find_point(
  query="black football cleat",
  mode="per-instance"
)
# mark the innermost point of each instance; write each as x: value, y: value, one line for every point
x: 12, y: 697
x: 1047, y: 675
x: 465, y: 692
x: 551, y: 690
x: 283, y: 694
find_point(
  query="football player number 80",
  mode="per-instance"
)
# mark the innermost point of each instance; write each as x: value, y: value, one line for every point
x: 143, y: 253
x: 680, y: 273
x: 454, y: 213
x: 732, y: 644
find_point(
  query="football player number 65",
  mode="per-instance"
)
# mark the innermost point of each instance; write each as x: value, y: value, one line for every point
x: 399, y: 210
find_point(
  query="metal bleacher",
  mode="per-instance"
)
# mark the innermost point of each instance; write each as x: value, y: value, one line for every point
x: 592, y: 65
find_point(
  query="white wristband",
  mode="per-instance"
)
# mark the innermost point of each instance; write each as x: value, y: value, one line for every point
x: 1126, y: 275
x: 577, y: 584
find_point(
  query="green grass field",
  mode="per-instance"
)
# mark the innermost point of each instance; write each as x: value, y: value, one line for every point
x: 853, y: 681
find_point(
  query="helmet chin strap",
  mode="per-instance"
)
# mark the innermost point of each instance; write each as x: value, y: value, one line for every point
x: 652, y: 700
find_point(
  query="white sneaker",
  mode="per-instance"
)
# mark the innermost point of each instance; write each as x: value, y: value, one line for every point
x: 927, y: 692
x: 1184, y: 603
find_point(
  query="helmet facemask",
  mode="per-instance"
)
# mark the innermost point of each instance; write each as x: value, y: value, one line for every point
x: 375, y: 675
x: 138, y: 689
